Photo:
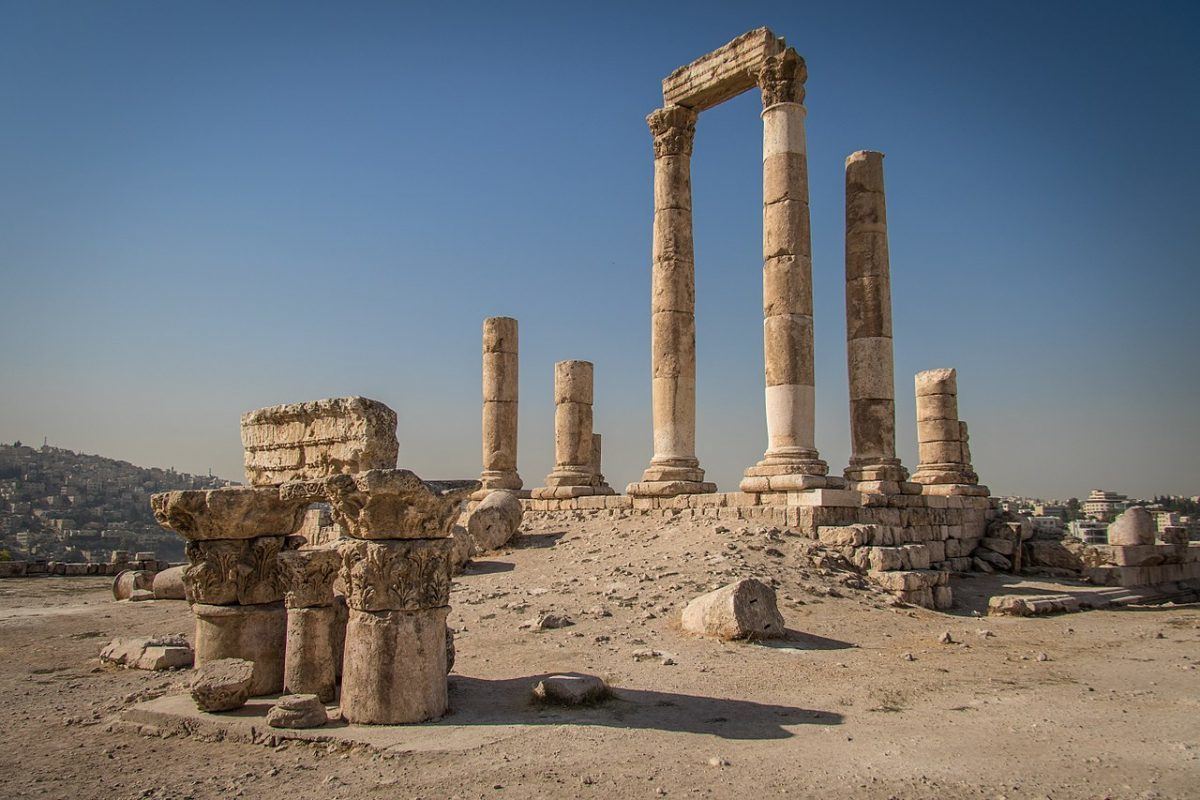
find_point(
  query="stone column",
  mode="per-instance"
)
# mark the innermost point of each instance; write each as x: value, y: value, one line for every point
x: 499, y: 407
x: 674, y: 468
x: 395, y: 572
x: 874, y: 466
x: 254, y: 632
x: 311, y: 656
x: 597, y: 462
x: 573, y: 474
x: 791, y: 460
x: 943, y: 468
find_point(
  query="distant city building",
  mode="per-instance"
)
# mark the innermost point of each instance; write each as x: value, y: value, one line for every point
x: 1046, y: 524
x: 1090, y: 531
x: 1048, y: 510
x: 1104, y: 505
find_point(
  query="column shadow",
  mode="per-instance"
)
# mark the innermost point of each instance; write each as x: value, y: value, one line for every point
x: 476, y: 701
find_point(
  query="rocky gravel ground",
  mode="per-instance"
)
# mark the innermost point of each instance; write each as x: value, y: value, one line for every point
x: 866, y: 698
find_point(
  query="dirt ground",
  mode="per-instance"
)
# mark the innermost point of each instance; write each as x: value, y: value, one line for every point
x: 862, y: 701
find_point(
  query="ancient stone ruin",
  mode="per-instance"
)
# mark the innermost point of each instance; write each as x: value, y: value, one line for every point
x: 361, y: 595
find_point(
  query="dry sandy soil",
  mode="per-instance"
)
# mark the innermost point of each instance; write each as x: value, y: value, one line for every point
x: 863, y: 701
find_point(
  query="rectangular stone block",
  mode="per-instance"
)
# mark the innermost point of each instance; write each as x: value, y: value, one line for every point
x: 304, y: 441
x: 721, y: 74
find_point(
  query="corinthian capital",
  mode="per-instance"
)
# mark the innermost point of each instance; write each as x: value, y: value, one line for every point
x: 782, y: 78
x: 673, y: 129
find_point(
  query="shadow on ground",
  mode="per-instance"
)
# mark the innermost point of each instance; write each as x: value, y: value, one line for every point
x: 475, y: 701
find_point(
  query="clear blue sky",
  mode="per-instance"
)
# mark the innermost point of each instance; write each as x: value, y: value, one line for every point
x: 210, y: 207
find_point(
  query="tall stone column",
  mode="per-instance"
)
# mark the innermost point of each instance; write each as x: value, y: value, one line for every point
x: 674, y: 468
x: 311, y: 653
x: 944, y: 467
x: 573, y: 474
x: 500, y: 365
x: 597, y: 461
x: 791, y: 460
x: 873, y: 462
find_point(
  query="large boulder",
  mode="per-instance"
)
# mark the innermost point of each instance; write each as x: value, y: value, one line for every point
x: 494, y: 522
x: 742, y: 610
x: 168, y: 584
x: 130, y: 580
x: 223, y: 684
x: 1134, y: 526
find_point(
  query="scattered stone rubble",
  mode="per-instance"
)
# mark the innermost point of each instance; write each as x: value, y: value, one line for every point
x: 223, y: 684
x: 154, y: 653
x: 297, y: 711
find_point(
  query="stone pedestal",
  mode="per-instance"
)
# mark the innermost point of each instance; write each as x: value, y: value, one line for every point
x: 574, y: 474
x: 874, y: 466
x: 395, y: 669
x: 255, y: 633
x: 500, y: 381
x: 791, y: 461
x: 674, y: 468
x: 944, y: 468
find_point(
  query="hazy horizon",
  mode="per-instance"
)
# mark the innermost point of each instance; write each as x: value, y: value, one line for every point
x: 210, y: 209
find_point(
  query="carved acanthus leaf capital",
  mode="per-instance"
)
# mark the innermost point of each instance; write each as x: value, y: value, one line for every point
x: 399, y: 575
x: 673, y: 129
x: 782, y: 78
x: 235, y: 571
x: 309, y: 576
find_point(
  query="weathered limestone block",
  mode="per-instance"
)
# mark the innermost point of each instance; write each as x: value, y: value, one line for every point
x: 571, y: 690
x: 152, y: 653
x: 168, y: 584
x: 297, y: 710
x: 308, y: 576
x: 391, y: 504
x: 495, y: 521
x: 243, y: 571
x: 742, y: 610
x: 723, y: 73
x: 255, y: 633
x: 301, y: 441
x: 223, y: 684
x: 129, y: 581
x: 402, y: 575
x: 232, y: 512
x: 1134, y: 526
x: 395, y: 667
x: 1048, y: 553
x: 309, y: 656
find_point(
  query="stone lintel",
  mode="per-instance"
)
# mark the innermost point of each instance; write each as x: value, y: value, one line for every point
x: 722, y: 74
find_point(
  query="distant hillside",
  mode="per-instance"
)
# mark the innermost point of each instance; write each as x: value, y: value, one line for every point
x: 58, y: 504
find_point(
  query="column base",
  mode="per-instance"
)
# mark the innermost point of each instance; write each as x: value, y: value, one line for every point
x: 878, y: 469
x: 567, y: 492
x: 789, y: 472
x: 669, y: 488
x: 945, y: 473
x: 956, y: 489
x: 492, y: 479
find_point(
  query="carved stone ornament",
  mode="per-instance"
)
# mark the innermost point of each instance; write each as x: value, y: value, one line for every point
x: 224, y: 572
x: 309, y: 576
x: 673, y: 129
x: 391, y: 504
x: 782, y: 78
x: 233, y: 512
x: 409, y: 575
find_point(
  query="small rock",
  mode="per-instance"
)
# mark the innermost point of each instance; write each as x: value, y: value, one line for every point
x: 946, y: 638
x: 717, y: 761
x: 571, y: 689
x: 909, y: 657
x: 223, y: 685
x: 545, y: 622
x: 297, y: 711
x: 1043, y: 657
